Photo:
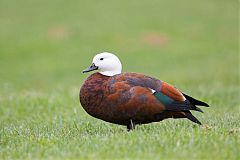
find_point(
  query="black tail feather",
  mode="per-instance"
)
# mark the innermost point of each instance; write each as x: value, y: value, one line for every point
x: 197, y: 109
x: 186, y: 106
x: 195, y: 101
x: 189, y: 115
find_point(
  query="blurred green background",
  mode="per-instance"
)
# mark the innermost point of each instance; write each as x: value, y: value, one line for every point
x: 45, y: 45
x: 48, y: 43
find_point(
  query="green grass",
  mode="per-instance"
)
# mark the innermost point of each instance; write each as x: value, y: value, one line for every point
x: 44, y: 46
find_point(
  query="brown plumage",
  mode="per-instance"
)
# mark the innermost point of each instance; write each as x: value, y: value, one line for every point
x: 130, y: 98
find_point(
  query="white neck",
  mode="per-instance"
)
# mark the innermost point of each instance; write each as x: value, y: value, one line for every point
x: 110, y: 73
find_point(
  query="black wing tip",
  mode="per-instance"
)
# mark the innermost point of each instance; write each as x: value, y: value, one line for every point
x: 195, y: 101
x: 207, y: 105
x: 200, y: 103
x: 203, y: 104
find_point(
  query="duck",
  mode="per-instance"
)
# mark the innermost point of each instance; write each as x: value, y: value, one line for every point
x: 130, y: 99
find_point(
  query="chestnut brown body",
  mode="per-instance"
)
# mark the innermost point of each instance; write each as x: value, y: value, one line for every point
x: 131, y: 98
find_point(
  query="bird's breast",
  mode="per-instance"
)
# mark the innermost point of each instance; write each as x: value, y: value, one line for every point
x: 92, y: 93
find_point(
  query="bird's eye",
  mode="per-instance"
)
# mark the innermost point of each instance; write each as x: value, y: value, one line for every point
x: 101, y: 59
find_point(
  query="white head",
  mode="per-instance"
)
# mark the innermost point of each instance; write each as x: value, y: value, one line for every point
x: 107, y: 63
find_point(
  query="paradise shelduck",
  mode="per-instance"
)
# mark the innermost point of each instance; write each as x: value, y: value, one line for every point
x: 132, y: 98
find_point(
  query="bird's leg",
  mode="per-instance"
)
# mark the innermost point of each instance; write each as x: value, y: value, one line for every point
x: 131, y: 125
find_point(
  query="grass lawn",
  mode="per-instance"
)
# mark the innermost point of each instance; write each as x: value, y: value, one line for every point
x: 44, y: 46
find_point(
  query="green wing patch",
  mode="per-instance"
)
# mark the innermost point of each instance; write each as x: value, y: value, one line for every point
x: 163, y: 98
